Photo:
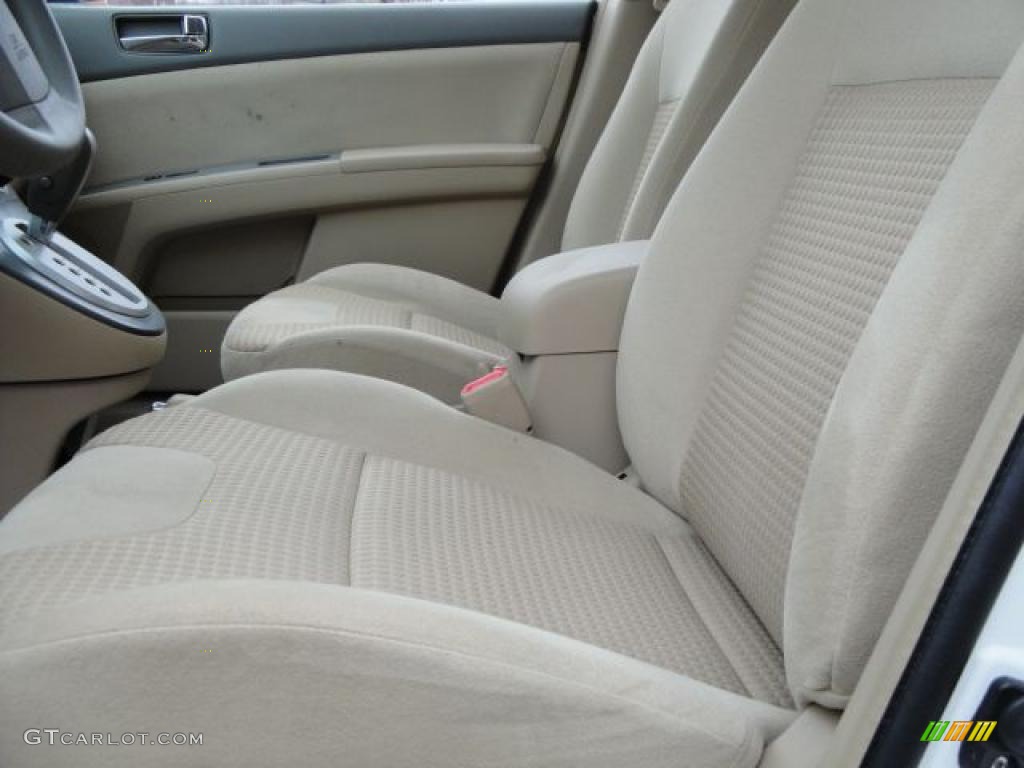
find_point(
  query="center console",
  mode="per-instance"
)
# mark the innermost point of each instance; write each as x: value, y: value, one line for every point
x: 75, y: 336
x: 564, y: 314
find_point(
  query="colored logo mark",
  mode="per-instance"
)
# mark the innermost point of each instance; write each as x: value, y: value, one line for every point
x: 958, y: 730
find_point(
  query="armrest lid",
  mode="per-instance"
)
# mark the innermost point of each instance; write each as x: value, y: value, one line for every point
x: 571, y: 302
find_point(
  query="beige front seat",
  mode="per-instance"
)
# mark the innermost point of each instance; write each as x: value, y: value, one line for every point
x: 313, y: 568
x: 436, y: 334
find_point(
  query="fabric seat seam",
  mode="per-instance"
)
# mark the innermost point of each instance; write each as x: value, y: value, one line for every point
x: 363, y: 456
x: 700, y: 616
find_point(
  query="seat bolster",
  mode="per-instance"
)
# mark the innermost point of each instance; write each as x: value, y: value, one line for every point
x: 418, y: 291
x: 909, y: 404
x: 292, y: 673
x: 431, y: 364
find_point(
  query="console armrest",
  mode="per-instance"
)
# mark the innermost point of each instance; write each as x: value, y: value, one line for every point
x: 571, y: 302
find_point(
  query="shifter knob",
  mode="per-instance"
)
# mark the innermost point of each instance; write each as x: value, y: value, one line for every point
x: 49, y: 198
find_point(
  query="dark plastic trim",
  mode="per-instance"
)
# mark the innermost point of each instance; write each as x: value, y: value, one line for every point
x: 240, y: 34
x: 985, y: 558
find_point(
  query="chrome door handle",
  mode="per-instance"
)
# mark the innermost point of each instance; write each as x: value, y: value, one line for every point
x: 194, y: 37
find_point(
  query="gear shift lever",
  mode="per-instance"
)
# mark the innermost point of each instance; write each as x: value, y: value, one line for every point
x: 48, y: 198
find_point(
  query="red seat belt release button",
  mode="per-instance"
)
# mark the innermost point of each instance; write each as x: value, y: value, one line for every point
x: 493, y: 375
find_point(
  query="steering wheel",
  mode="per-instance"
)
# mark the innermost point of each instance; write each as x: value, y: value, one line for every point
x: 42, y: 115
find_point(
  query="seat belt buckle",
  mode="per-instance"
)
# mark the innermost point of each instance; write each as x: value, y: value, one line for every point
x: 495, y: 397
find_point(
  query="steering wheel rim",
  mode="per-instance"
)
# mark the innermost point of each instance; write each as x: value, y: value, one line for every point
x: 44, y: 134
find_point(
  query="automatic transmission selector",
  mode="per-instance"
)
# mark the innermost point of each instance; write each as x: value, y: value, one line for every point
x: 32, y: 251
x: 72, y: 267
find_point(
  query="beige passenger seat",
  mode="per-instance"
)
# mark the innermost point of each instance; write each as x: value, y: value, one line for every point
x: 435, y: 334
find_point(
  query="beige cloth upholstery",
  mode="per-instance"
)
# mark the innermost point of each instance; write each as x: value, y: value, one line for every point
x: 390, y: 322
x: 325, y: 567
x: 686, y: 74
x: 842, y: 335
x: 354, y: 507
x: 315, y: 532
x: 410, y: 327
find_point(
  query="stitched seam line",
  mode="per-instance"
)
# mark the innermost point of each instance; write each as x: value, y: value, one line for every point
x: 686, y: 596
x: 355, y: 509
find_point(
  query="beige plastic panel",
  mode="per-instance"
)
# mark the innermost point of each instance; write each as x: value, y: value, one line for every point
x: 179, y: 121
x: 59, y: 366
x: 192, y: 362
x: 440, y: 156
x: 572, y: 404
x: 43, y: 340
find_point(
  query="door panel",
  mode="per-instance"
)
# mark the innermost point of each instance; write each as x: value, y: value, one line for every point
x: 201, y: 119
x: 221, y: 176
x: 207, y: 200
x: 240, y: 33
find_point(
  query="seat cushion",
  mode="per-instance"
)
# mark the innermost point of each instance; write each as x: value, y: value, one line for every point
x: 318, y: 478
x: 394, y: 323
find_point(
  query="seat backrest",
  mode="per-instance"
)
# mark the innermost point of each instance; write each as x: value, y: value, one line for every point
x: 687, y: 72
x: 828, y: 303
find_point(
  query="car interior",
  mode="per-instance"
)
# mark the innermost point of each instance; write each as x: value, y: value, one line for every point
x: 496, y: 382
